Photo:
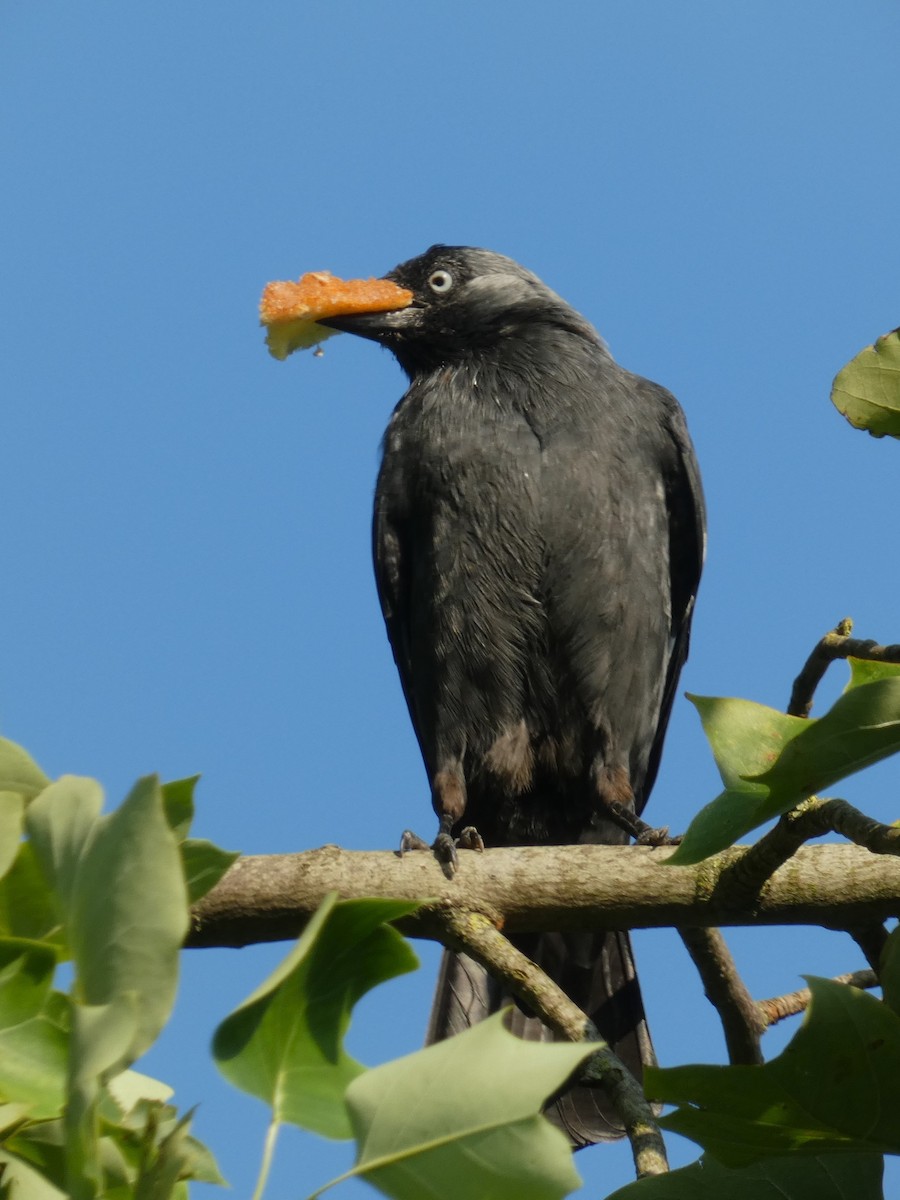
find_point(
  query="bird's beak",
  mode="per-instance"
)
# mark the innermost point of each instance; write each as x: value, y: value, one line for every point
x: 298, y: 315
x: 375, y: 325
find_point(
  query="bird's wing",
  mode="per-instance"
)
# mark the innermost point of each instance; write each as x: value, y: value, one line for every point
x: 623, y: 522
x: 392, y: 579
x: 687, y: 549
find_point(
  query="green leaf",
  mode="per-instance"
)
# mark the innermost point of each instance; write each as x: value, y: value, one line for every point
x: 463, y: 1118
x: 40, y: 1144
x: 34, y: 1042
x: 863, y: 670
x: 19, y: 772
x: 836, y: 1087
x: 720, y: 824
x: 825, y: 1177
x: 20, y: 1179
x: 202, y: 1164
x: 285, y: 1042
x: 178, y: 801
x: 12, y: 814
x: 27, y: 905
x: 745, y: 738
x: 43, y: 1146
x: 129, y: 912
x: 204, y: 865
x: 770, y: 762
x: 129, y: 1088
x: 168, y: 1163
x: 142, y: 1136
x: 26, y: 979
x: 861, y: 728
x: 11, y: 1115
x: 136, y: 1150
x: 102, y: 1038
x: 867, y: 390
x: 60, y: 823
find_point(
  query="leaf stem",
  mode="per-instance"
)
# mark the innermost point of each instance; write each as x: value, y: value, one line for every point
x: 354, y: 1171
x: 268, y: 1155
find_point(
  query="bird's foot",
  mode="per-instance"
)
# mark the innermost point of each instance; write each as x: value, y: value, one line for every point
x: 444, y: 846
x: 648, y: 836
x: 412, y: 841
x: 642, y: 833
x: 470, y: 839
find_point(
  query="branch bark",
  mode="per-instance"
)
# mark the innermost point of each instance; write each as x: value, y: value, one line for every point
x: 776, y: 1008
x: 742, y: 1022
x: 270, y: 897
x: 475, y: 935
x: 834, y: 645
x: 742, y: 879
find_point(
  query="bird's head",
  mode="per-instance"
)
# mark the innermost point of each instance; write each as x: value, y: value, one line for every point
x: 463, y: 301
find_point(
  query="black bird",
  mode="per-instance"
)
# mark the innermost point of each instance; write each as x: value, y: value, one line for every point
x: 538, y: 542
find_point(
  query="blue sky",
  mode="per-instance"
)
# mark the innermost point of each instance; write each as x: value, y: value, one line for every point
x: 186, y: 522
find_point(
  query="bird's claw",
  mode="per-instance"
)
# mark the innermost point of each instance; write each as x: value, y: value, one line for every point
x: 444, y: 846
x: 642, y: 833
x: 470, y: 839
x: 411, y: 841
x: 445, y: 852
x: 648, y: 836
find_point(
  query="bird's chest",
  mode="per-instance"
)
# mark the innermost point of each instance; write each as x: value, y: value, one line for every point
x: 463, y: 481
x: 467, y: 471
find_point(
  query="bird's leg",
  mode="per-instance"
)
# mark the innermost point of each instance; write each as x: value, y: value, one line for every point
x: 617, y: 803
x: 444, y: 846
x: 448, y: 796
x: 643, y: 834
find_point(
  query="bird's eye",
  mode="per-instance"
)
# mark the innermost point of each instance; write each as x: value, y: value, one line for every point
x: 440, y: 282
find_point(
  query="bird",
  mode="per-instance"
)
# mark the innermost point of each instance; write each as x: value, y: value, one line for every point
x: 538, y: 539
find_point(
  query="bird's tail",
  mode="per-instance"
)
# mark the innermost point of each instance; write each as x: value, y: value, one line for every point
x: 596, y: 970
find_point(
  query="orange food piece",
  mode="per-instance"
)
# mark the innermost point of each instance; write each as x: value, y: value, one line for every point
x: 290, y: 310
x: 320, y: 294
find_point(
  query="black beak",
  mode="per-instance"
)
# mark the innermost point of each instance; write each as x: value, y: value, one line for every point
x: 375, y: 325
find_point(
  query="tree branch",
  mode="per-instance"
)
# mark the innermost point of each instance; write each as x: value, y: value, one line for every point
x: 834, y: 645
x: 742, y: 879
x: 475, y: 935
x: 777, y: 1008
x: 742, y: 1021
x: 270, y: 897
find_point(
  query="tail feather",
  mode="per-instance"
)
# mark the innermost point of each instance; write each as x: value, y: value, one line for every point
x: 596, y: 970
x: 464, y: 995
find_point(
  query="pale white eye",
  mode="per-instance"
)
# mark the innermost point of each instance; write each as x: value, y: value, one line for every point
x: 440, y: 282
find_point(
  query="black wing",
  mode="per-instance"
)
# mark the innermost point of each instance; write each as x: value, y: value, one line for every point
x: 687, y: 548
x: 390, y: 554
x: 623, y: 520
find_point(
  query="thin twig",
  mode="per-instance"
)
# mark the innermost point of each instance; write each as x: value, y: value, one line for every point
x: 739, y: 1013
x: 777, y: 1008
x: 475, y: 935
x: 834, y: 645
